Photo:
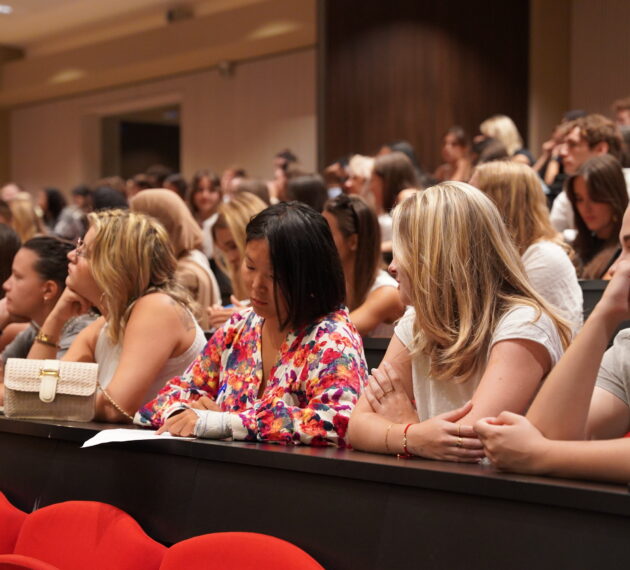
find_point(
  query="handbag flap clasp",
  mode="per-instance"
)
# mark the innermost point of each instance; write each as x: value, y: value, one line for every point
x: 48, y: 378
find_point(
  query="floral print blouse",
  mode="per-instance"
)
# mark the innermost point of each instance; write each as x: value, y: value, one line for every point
x: 309, y: 395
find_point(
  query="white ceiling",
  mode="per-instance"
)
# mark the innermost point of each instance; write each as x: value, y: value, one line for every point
x: 46, y: 26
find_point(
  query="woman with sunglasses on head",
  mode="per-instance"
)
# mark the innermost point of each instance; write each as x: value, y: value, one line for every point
x: 371, y: 293
x: 479, y: 337
x: 289, y: 368
x: 147, y: 333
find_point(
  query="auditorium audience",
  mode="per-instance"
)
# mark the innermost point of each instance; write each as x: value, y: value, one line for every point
x: 51, y: 202
x: 309, y: 189
x: 503, y: 129
x: 230, y: 237
x: 455, y: 154
x: 585, y: 397
x: 478, y: 340
x: 516, y: 191
x: 586, y: 137
x: 359, y: 173
x: 391, y: 173
x: 177, y: 183
x: 204, y: 197
x: 290, y: 368
x: 598, y: 195
x: 371, y: 293
x: 193, y: 269
x: 146, y: 334
x: 37, y: 281
x: 24, y: 218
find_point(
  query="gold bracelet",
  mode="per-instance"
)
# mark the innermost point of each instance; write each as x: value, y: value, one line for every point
x: 111, y: 401
x: 387, y: 450
x: 46, y: 339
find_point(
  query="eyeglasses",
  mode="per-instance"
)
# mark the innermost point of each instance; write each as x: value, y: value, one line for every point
x: 79, y: 248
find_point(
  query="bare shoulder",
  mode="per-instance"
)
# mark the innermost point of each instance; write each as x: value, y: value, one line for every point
x: 162, y: 307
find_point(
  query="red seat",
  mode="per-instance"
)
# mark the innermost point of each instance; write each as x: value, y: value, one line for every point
x: 82, y: 534
x: 11, y: 519
x: 237, y: 550
x: 19, y: 562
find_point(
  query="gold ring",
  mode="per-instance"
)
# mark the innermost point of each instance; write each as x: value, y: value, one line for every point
x: 459, y: 442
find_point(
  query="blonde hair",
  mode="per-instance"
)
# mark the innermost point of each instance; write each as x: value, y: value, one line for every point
x: 517, y: 192
x: 234, y: 216
x: 360, y: 165
x: 465, y: 274
x: 503, y: 129
x: 25, y: 221
x: 130, y: 256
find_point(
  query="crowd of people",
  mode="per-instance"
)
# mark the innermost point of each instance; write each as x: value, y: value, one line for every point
x: 230, y: 307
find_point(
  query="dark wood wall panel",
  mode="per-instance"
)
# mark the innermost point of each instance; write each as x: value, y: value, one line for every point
x: 411, y: 69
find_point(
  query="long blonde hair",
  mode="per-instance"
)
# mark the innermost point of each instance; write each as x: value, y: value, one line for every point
x: 502, y: 128
x: 131, y: 256
x: 25, y: 221
x: 465, y: 274
x: 234, y: 216
x: 516, y: 191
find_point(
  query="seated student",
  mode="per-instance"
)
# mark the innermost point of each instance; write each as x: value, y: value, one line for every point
x: 193, y: 270
x: 598, y: 195
x: 517, y: 193
x: 228, y: 234
x: 585, y: 397
x: 290, y: 368
x: 38, y: 278
x: 478, y: 337
x: 147, y: 334
x: 456, y: 156
x: 371, y: 293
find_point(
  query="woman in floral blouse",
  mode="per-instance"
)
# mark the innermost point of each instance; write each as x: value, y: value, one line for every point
x: 290, y: 368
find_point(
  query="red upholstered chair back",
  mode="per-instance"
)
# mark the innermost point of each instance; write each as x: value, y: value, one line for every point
x: 78, y: 535
x: 11, y: 519
x: 242, y: 550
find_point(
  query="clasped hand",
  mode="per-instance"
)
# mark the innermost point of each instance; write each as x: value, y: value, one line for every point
x: 440, y: 437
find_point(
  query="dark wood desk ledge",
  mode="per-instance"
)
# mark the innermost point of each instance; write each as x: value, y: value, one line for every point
x: 481, y: 480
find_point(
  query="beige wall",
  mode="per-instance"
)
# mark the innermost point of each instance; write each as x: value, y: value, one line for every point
x: 268, y: 104
x: 600, y: 53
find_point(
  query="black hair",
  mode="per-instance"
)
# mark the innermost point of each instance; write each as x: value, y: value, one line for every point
x: 53, y: 257
x: 178, y: 182
x: 55, y: 202
x: 5, y: 211
x: 305, y: 262
x: 9, y: 245
x: 308, y: 189
x: 106, y: 198
x: 82, y: 190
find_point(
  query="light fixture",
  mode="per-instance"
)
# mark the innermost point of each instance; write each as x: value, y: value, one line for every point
x: 5, y: 9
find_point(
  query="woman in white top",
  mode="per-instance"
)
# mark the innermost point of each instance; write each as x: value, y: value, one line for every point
x: 517, y: 192
x: 204, y: 197
x: 147, y: 334
x: 477, y: 331
x: 371, y: 293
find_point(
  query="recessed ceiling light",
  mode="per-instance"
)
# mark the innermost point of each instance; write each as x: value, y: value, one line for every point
x: 5, y: 9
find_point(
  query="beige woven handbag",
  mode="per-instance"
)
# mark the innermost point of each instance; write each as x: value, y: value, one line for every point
x: 50, y: 389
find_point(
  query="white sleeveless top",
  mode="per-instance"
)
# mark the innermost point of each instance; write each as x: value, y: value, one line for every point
x: 383, y: 279
x: 107, y: 356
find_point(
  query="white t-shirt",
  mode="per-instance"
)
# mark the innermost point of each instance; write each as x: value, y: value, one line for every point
x: 553, y: 276
x: 383, y: 279
x: 614, y: 371
x: 434, y: 397
x: 385, y: 222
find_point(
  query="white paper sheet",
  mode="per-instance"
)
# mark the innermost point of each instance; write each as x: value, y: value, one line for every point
x: 121, y: 435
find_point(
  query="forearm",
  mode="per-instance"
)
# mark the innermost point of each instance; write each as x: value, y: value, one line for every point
x: 369, y: 431
x: 606, y: 460
x: 51, y: 329
x: 560, y: 409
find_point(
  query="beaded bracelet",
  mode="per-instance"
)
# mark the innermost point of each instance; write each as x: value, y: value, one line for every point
x: 405, y: 454
x: 111, y: 401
